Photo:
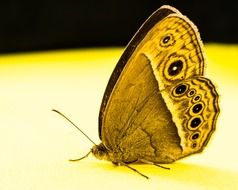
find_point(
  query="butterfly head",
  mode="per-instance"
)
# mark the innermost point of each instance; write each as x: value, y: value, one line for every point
x: 100, y: 152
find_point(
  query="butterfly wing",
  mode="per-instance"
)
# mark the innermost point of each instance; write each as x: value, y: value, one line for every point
x: 158, y: 15
x: 133, y: 114
x: 194, y: 107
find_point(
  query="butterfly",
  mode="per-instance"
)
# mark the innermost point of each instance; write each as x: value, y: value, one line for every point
x: 158, y: 107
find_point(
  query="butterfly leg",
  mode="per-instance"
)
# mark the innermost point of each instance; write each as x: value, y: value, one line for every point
x: 78, y: 159
x: 152, y: 163
x: 135, y: 170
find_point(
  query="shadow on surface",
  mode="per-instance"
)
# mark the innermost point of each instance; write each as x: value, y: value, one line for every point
x: 184, y: 173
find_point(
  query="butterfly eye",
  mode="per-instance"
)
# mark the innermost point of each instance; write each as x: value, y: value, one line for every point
x: 197, y: 98
x: 191, y: 93
x: 180, y: 89
x: 166, y: 39
x: 175, y: 68
x: 195, y: 136
x: 197, y: 108
x: 195, y: 122
x: 194, y: 145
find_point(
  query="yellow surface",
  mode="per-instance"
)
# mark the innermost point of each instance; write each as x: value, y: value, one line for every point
x: 35, y: 143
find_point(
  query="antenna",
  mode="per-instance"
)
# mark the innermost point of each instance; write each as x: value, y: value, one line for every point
x: 74, y: 125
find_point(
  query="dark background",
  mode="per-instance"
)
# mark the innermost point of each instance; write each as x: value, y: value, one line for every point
x: 43, y: 25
